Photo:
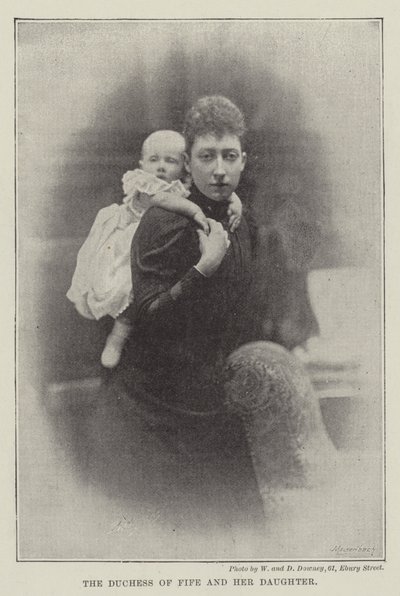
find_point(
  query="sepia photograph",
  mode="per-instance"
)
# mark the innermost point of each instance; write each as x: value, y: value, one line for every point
x: 200, y: 268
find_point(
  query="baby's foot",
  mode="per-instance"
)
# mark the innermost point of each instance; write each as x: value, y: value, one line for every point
x: 114, y: 345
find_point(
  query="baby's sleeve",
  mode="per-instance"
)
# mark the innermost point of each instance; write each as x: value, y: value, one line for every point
x: 176, y: 203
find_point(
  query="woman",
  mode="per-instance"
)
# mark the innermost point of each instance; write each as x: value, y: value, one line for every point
x: 194, y: 445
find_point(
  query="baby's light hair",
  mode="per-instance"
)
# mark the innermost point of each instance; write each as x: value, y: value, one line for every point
x: 173, y: 134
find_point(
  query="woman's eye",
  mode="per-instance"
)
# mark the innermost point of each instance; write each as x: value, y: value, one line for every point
x: 232, y: 156
x: 206, y: 156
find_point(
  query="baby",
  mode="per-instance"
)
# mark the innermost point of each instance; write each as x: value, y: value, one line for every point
x: 102, y: 284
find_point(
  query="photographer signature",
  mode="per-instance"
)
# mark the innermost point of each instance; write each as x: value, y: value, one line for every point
x: 353, y: 550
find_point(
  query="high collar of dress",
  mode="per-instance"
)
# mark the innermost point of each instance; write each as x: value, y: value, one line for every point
x: 214, y: 209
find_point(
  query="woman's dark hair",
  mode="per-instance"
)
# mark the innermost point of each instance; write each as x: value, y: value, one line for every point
x: 214, y: 114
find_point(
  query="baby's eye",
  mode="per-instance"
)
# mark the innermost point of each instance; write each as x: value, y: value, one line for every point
x: 171, y: 160
x: 154, y: 158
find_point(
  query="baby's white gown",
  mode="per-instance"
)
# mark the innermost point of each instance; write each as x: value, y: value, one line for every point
x: 102, y: 283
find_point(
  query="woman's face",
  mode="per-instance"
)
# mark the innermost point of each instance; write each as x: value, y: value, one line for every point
x: 215, y: 164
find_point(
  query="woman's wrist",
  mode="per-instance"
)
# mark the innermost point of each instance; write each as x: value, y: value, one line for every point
x: 207, y: 267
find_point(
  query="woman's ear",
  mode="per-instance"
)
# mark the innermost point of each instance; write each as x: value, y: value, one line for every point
x: 186, y: 160
x: 244, y: 160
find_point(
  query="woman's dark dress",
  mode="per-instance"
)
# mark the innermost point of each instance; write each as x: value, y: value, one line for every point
x: 193, y: 469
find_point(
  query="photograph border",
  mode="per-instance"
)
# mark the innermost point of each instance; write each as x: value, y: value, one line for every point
x: 383, y: 247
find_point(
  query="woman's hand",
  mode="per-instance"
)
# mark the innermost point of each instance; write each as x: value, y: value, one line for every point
x: 212, y: 247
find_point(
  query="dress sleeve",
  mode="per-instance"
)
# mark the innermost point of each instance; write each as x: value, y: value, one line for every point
x: 164, y: 251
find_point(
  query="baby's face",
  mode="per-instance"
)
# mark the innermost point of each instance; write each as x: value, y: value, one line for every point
x: 162, y: 155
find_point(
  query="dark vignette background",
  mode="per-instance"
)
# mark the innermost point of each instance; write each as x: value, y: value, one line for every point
x: 88, y: 95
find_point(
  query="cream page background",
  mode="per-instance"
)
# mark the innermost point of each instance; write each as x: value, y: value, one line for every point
x: 66, y: 578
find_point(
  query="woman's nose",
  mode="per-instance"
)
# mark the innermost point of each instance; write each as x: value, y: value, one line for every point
x: 219, y: 169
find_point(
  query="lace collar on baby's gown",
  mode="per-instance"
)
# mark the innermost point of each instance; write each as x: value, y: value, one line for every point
x: 139, y: 186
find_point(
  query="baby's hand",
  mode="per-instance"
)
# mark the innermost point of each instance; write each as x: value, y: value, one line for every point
x: 202, y: 221
x: 234, y: 212
x: 234, y: 221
